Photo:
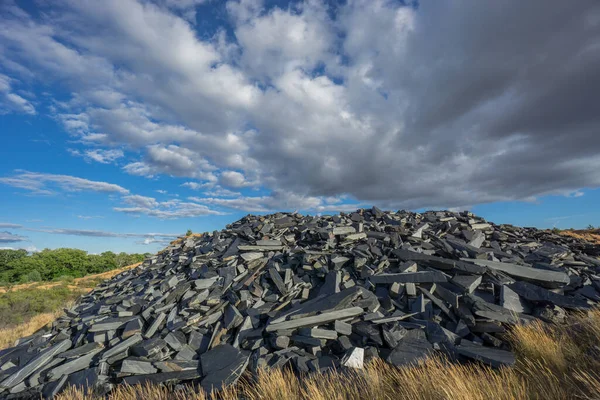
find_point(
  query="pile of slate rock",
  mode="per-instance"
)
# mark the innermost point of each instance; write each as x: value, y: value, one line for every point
x: 310, y: 293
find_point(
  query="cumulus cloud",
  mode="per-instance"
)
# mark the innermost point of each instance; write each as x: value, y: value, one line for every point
x: 7, y: 237
x: 45, y: 184
x: 442, y: 105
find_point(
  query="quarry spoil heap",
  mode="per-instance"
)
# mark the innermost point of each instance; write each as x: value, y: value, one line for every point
x: 311, y: 293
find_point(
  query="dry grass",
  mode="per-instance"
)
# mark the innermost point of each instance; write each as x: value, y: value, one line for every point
x: 553, y: 362
x: 8, y: 336
x: 592, y: 236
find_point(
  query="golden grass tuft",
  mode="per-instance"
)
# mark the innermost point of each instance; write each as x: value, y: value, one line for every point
x: 8, y: 336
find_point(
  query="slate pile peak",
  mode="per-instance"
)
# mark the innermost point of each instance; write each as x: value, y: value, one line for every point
x: 312, y: 293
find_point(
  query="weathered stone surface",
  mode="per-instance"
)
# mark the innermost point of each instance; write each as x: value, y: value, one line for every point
x: 222, y: 366
x: 493, y: 357
x: 409, y: 351
x: 412, y: 277
x: 37, y: 362
x: 137, y: 367
x: 316, y: 320
x: 551, y: 279
x: 354, y: 358
x: 535, y: 293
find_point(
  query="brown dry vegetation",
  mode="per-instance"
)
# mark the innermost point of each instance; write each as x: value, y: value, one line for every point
x: 553, y: 362
x: 590, y: 235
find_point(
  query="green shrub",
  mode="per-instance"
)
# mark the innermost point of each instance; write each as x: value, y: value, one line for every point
x: 33, y: 276
x: 16, y: 266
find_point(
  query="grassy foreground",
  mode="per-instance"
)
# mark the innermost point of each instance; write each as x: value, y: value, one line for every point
x: 553, y: 362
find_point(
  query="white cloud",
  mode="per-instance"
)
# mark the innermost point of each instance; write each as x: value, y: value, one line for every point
x: 7, y: 237
x: 44, y: 184
x: 9, y: 225
x: 10, y: 101
x: 140, y: 201
x: 170, y: 210
x: 87, y: 217
x: 406, y: 107
x: 96, y: 233
x: 273, y: 202
x: 233, y: 179
x: 99, y: 155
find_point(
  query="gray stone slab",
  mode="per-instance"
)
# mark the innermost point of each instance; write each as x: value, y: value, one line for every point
x: 163, y: 377
x: 149, y: 347
x: 222, y: 366
x: 122, y: 346
x: 81, y: 350
x: 538, y: 294
x: 316, y: 320
x: 551, y: 279
x: 439, y: 262
x: 207, y: 283
x: 35, y: 363
x: 410, y: 351
x: 467, y: 283
x: 487, y: 355
x: 137, y: 367
x: 73, y: 365
x: 409, y: 277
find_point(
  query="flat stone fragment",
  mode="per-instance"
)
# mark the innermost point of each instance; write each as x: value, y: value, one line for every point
x: 354, y: 358
x: 409, y: 277
x: 122, y: 346
x: 158, y: 320
x: 137, y: 367
x: 487, y: 355
x: 467, y: 282
x: 344, y: 230
x: 316, y: 320
x: 74, y: 365
x: 222, y: 366
x: 163, y: 377
x: 440, y: 262
x: 551, y: 279
x: 248, y: 257
x: 81, y: 350
x: 409, y: 351
x: 318, y: 333
x: 37, y: 362
x: 149, y: 347
x: 535, y: 293
x: 510, y: 300
x: 53, y: 388
x: 342, y: 328
x: 201, y: 284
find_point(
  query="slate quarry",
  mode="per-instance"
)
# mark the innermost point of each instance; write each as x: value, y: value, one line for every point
x: 311, y: 293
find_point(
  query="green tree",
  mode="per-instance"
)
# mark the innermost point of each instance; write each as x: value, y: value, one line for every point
x: 590, y: 227
x: 189, y: 232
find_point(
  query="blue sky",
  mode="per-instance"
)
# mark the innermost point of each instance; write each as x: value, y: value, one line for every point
x: 126, y: 122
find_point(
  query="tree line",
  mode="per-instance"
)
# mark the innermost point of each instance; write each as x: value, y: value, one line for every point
x: 17, y: 266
